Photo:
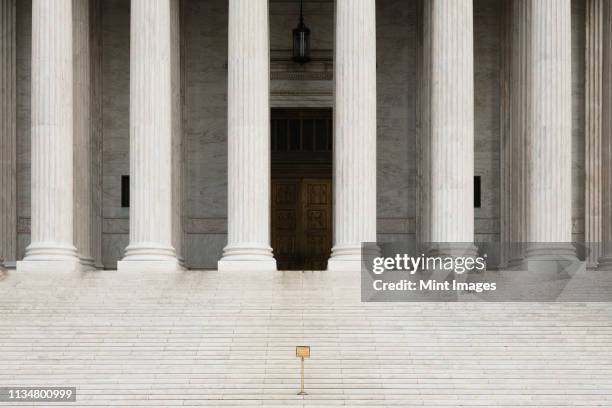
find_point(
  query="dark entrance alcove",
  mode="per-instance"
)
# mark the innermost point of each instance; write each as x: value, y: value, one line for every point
x: 301, y: 144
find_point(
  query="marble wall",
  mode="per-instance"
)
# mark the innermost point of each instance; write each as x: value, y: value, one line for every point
x: 24, y: 58
x: 487, y: 57
x: 205, y: 130
x: 204, y: 29
x: 396, y: 119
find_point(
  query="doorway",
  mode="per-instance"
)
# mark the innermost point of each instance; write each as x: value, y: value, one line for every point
x: 301, y: 199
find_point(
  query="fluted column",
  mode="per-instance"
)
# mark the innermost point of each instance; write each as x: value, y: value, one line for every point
x: 447, y: 125
x: 505, y: 136
x: 605, y: 261
x: 96, y: 130
x: 83, y: 148
x: 354, y: 132
x: 177, y: 133
x: 549, y: 159
x: 8, y: 133
x: 152, y: 131
x: 248, y: 139
x: 592, y: 98
x: 52, y: 247
x: 517, y: 99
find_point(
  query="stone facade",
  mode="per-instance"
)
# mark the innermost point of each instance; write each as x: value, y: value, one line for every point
x: 204, y: 69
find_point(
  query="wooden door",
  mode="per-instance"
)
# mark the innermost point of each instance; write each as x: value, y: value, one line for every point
x: 286, y: 223
x: 301, y: 223
x: 316, y: 219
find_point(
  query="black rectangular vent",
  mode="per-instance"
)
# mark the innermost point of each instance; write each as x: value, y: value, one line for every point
x: 125, y: 191
x: 477, y: 192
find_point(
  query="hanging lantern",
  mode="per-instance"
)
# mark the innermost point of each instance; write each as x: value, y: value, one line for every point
x: 301, y: 40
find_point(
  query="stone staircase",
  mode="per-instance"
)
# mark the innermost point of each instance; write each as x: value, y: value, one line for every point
x: 228, y: 339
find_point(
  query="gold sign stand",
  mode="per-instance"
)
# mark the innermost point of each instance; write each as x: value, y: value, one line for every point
x: 302, y: 352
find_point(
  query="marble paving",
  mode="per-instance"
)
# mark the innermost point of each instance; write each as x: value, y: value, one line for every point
x: 228, y: 339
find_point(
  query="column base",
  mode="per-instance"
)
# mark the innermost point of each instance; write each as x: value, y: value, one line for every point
x: 350, y: 258
x: 552, y: 260
x: 605, y: 263
x: 247, y: 257
x: 559, y: 268
x: 452, y: 249
x: 148, y: 257
x: 51, y: 258
x: 87, y: 264
x: 550, y: 250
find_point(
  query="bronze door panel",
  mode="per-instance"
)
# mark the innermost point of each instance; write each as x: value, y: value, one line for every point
x: 301, y: 223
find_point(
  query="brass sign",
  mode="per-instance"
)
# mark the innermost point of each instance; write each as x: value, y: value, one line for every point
x: 302, y: 352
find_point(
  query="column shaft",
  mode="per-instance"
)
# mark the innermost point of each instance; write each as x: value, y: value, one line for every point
x: 52, y: 206
x: 248, y: 246
x: 96, y: 131
x: 505, y: 136
x: 549, y: 176
x: 8, y: 132
x: 605, y: 261
x: 83, y: 153
x: 592, y: 160
x: 354, y: 132
x: 513, y: 144
x: 152, y: 132
x: 447, y: 124
x: 177, y: 131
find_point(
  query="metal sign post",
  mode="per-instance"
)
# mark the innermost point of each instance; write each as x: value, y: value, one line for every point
x: 302, y: 352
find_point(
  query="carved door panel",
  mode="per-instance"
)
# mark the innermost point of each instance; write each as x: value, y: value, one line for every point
x: 286, y: 223
x: 301, y: 223
x: 316, y: 219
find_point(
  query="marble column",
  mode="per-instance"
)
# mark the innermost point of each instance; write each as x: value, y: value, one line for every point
x: 178, y: 197
x: 354, y: 132
x: 248, y: 240
x: 52, y: 206
x: 83, y: 147
x: 516, y: 102
x: 446, y: 183
x: 549, y: 158
x: 8, y: 132
x: 505, y: 135
x: 592, y: 97
x: 152, y: 134
x: 605, y: 261
x: 96, y: 130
